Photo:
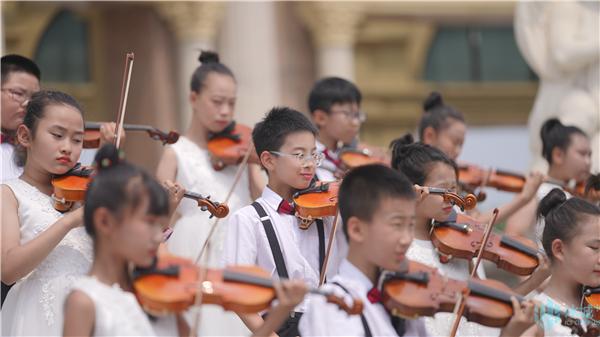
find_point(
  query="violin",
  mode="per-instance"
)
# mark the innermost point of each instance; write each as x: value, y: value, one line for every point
x: 171, y: 284
x: 316, y: 202
x: 214, y: 208
x: 591, y: 297
x: 229, y: 145
x: 91, y: 137
x: 70, y: 187
x: 468, y: 202
x: 472, y: 178
x: 461, y: 236
x: 420, y: 290
x: 352, y: 158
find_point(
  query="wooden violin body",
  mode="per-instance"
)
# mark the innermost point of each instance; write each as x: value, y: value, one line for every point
x: 352, y: 158
x: 461, y: 237
x: 172, y: 284
x: 91, y: 137
x: 70, y: 187
x: 420, y: 290
x: 230, y: 145
x: 316, y: 202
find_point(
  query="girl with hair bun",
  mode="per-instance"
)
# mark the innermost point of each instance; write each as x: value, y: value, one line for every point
x: 568, y: 152
x: 213, y: 93
x: 43, y: 251
x: 571, y: 238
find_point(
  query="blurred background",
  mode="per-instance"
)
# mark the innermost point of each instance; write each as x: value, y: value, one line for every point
x: 397, y: 52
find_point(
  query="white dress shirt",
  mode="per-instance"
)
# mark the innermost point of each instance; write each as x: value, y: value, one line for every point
x: 327, y: 168
x: 10, y: 170
x: 325, y: 319
x: 246, y: 243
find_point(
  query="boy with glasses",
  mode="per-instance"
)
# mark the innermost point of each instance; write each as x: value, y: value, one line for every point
x: 267, y: 233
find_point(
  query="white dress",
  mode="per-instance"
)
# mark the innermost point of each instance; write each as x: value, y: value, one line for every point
x: 195, y: 173
x: 117, y: 311
x: 440, y: 325
x: 34, y: 306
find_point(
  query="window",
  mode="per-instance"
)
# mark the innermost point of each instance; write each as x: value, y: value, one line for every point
x: 476, y: 54
x: 62, y: 53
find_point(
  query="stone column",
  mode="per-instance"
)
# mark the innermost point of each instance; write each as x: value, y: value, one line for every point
x: 195, y: 24
x: 333, y: 26
x: 248, y: 45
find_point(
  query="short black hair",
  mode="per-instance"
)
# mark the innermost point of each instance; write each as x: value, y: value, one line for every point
x: 563, y: 217
x: 118, y: 185
x: 415, y: 160
x: 436, y: 114
x: 555, y: 134
x: 364, y: 188
x: 17, y: 63
x: 270, y: 133
x: 209, y: 63
x: 332, y: 90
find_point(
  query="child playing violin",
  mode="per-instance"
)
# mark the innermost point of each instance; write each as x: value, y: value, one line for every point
x: 123, y: 213
x: 444, y: 128
x: 43, y: 250
x: 568, y: 152
x: 213, y: 93
x: 378, y: 209
x: 425, y: 165
x: 267, y: 233
x: 334, y: 105
x: 571, y: 238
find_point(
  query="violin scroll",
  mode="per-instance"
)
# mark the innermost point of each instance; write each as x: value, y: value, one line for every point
x: 166, y: 138
x: 467, y: 203
x: 355, y: 309
x: 217, y: 209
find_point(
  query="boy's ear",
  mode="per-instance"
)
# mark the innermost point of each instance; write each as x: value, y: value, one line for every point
x: 24, y: 136
x: 356, y: 229
x: 267, y: 159
x: 320, y: 117
x: 429, y: 135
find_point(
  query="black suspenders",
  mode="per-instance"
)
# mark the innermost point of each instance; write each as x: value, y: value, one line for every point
x: 276, y: 248
x: 363, y: 319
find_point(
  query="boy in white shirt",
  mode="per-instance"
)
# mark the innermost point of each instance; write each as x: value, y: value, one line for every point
x: 267, y: 233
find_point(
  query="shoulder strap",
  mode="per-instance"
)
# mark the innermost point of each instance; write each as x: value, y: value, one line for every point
x: 363, y: 319
x: 273, y: 242
x: 321, y: 230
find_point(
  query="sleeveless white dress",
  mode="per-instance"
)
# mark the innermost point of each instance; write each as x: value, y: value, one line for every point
x: 34, y: 306
x: 117, y: 311
x: 195, y: 173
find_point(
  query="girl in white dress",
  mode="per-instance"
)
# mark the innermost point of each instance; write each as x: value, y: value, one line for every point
x: 43, y: 250
x: 188, y: 162
x: 427, y: 166
x: 122, y: 213
x: 568, y: 152
x: 572, y: 239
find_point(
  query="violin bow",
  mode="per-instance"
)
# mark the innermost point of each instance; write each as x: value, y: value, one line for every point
x: 205, y: 251
x: 329, y: 246
x: 124, y: 95
x: 460, y: 306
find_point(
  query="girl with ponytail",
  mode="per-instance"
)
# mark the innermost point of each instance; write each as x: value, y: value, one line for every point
x: 43, y: 250
x: 571, y: 238
x: 213, y: 94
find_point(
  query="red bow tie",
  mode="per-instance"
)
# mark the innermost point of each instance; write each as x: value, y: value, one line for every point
x: 286, y: 208
x: 336, y: 162
x: 374, y: 295
x: 7, y: 139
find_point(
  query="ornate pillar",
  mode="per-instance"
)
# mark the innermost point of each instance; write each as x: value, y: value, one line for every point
x: 195, y: 25
x: 334, y: 27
